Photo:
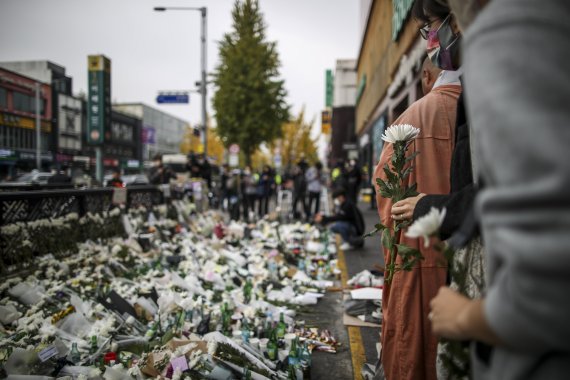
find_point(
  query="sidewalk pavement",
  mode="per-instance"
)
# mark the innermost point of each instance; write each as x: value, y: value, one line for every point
x: 358, y: 343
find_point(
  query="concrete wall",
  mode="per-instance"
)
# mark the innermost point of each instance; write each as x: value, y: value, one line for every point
x: 344, y: 83
x: 39, y: 70
x: 169, y: 129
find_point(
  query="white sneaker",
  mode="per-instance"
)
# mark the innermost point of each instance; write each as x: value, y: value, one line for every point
x: 346, y: 247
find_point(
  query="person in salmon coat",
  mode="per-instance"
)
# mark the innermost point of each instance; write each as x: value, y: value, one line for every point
x: 409, y: 347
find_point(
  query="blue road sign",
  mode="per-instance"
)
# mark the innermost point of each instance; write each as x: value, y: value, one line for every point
x: 173, y: 98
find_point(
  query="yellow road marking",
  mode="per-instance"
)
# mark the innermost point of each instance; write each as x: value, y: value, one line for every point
x: 354, y: 338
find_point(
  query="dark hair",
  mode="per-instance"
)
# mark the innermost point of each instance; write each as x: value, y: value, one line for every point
x: 339, y: 192
x: 318, y: 165
x: 157, y: 157
x: 424, y: 9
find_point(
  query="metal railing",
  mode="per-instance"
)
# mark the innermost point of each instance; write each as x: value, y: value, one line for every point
x: 27, y: 206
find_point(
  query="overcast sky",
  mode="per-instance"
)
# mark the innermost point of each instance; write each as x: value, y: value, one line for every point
x: 153, y: 51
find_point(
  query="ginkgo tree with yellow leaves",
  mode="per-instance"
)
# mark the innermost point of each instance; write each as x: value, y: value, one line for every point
x: 191, y: 142
x: 297, y: 142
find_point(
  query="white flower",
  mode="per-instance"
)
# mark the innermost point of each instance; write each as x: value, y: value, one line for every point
x: 400, y: 132
x: 427, y: 225
x: 212, y: 347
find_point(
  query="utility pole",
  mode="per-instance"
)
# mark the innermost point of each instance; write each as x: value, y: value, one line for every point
x: 38, y: 129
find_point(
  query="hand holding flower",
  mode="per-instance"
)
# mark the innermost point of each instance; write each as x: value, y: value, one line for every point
x: 404, y: 209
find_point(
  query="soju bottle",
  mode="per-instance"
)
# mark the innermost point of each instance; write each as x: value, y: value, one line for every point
x: 305, y: 362
x: 258, y: 328
x: 281, y: 326
x: 226, y: 319
x: 74, y: 355
x: 293, y: 354
x: 189, y: 315
x: 180, y: 322
x: 247, y: 374
x: 305, y: 356
x: 152, y: 331
x: 245, y: 331
x: 269, y: 323
x: 93, y: 347
x: 291, y: 373
x: 272, y: 346
x: 247, y: 290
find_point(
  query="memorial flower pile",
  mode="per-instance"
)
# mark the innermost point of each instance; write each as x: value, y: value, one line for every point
x: 171, y: 297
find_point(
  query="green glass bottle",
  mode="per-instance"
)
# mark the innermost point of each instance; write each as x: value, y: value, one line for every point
x: 291, y: 373
x: 247, y: 373
x: 152, y: 331
x: 281, y: 326
x: 226, y: 319
x: 269, y: 323
x: 272, y: 346
x: 293, y: 354
x: 305, y: 361
x: 245, y: 331
x: 247, y: 288
x: 93, y: 347
x: 74, y: 354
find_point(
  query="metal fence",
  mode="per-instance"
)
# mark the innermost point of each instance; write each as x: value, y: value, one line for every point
x: 27, y: 206
x: 29, y: 228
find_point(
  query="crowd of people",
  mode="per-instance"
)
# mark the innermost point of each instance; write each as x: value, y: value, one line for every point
x: 493, y: 153
x: 247, y: 195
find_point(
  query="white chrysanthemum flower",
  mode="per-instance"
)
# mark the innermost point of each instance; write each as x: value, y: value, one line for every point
x: 400, y: 132
x: 427, y: 225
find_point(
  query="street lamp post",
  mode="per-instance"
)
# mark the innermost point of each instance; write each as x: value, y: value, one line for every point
x: 203, y: 88
x: 38, y: 128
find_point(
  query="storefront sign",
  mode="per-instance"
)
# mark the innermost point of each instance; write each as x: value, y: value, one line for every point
x: 329, y: 90
x: 99, y: 100
x: 63, y: 157
x: 133, y: 163
x: 110, y: 162
x: 32, y: 156
x: 361, y: 87
x: 69, y: 122
x: 148, y: 135
x: 23, y: 122
x: 401, y: 8
x: 326, y: 122
x: 377, y: 142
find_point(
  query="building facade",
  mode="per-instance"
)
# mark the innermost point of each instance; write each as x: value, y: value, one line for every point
x: 66, y: 138
x: 161, y: 133
x: 64, y: 125
x: 343, y: 138
x: 388, y: 70
x: 122, y: 144
x: 18, y: 139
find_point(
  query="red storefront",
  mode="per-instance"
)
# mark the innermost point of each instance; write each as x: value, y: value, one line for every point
x: 18, y: 123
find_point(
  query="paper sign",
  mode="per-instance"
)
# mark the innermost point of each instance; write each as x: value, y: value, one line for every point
x: 114, y: 301
x: 366, y: 294
x: 179, y: 363
x: 47, y: 353
x: 119, y: 195
x: 165, y: 190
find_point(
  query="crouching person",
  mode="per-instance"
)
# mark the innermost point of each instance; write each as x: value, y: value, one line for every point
x: 347, y: 221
